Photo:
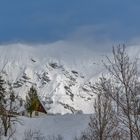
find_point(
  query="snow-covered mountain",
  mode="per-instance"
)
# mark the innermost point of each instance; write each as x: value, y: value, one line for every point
x: 63, y: 82
x: 61, y: 76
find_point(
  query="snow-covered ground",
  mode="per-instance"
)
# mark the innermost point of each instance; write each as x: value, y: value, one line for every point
x: 68, y: 125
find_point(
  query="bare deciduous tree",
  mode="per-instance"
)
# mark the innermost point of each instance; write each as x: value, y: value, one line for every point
x: 8, y: 113
x: 123, y: 88
x: 120, y: 91
x: 33, y: 135
x: 37, y: 135
x: 103, y: 123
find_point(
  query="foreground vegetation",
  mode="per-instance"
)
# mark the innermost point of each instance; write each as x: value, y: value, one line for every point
x: 117, y: 106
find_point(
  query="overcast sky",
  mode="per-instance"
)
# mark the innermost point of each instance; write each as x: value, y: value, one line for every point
x: 41, y: 21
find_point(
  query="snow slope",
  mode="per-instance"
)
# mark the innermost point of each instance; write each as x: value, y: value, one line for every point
x: 67, y: 126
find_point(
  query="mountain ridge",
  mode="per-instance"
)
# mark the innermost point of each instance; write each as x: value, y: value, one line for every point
x: 63, y: 76
x: 62, y: 88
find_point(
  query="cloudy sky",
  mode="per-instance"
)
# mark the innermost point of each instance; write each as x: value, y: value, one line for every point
x: 43, y: 21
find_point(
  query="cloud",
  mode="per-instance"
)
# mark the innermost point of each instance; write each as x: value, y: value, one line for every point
x: 80, y: 51
x: 97, y: 37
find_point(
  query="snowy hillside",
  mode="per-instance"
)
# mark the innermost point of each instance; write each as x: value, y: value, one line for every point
x: 68, y: 126
x: 61, y: 75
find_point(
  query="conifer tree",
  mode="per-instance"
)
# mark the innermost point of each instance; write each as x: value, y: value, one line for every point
x: 32, y: 101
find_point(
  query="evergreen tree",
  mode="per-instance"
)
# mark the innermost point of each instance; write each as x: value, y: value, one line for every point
x: 32, y: 101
